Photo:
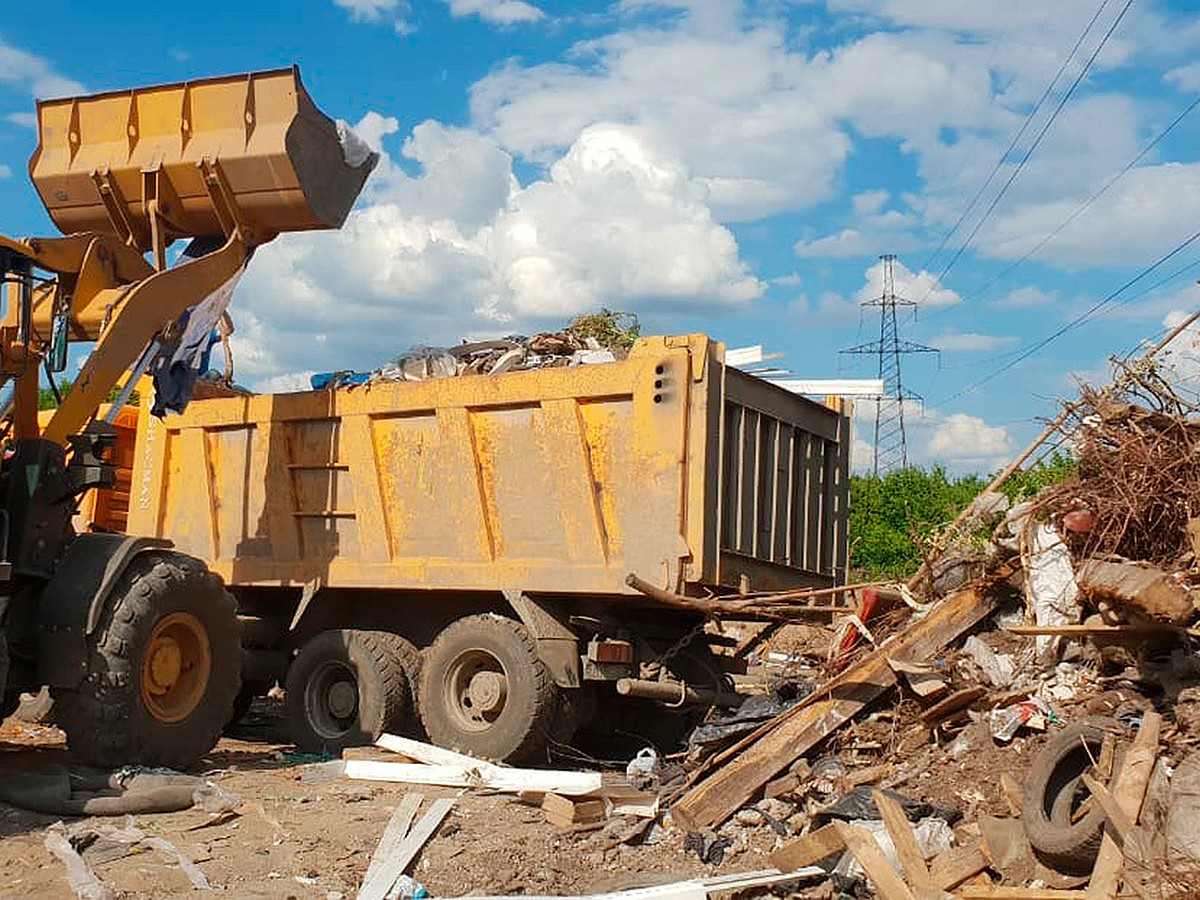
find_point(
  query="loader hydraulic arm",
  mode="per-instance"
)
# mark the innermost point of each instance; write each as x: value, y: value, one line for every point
x: 227, y: 163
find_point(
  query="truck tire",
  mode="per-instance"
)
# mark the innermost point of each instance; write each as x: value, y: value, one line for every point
x: 485, y: 692
x: 348, y: 687
x: 164, y: 666
x: 1054, y: 794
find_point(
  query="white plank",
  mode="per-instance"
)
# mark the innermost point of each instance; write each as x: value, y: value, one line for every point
x: 695, y: 889
x: 394, y: 834
x: 744, y: 356
x: 833, y: 387
x: 428, y: 753
x: 393, y: 867
x: 496, y: 778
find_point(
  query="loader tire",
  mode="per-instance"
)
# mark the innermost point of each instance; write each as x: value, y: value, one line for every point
x: 485, y: 692
x: 347, y: 687
x: 1054, y: 795
x: 164, y: 666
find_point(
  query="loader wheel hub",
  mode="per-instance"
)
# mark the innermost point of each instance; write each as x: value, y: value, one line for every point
x: 176, y: 667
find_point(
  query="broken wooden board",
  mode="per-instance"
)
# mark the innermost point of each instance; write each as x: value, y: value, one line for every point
x: 741, y: 771
x: 1140, y: 586
x: 950, y: 869
x: 391, y: 868
x: 998, y: 892
x: 497, y: 778
x: 956, y: 702
x: 1013, y: 794
x: 694, y: 889
x: 924, y: 679
x: 1128, y: 792
x: 567, y: 812
x: 1112, y: 810
x: 862, y: 843
x: 394, y: 834
x: 812, y: 848
x: 904, y: 839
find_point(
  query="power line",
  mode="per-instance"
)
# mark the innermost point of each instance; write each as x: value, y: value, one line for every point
x: 1096, y: 195
x: 1078, y: 320
x: 1012, y: 145
x: 1033, y: 146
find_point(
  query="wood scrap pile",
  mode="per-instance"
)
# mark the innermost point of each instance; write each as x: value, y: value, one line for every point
x: 1138, y: 481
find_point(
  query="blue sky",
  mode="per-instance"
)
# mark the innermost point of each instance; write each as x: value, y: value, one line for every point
x: 712, y: 165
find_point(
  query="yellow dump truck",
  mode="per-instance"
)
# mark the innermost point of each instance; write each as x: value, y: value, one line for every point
x: 464, y: 545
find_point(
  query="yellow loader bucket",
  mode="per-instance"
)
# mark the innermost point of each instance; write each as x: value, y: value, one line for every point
x: 197, y: 159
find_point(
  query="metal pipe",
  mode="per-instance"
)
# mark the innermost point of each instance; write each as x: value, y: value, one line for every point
x: 676, y: 693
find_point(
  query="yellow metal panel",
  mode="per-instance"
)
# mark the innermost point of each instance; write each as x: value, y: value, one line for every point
x: 554, y: 480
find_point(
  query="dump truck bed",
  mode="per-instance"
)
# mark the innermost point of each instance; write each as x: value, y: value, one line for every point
x: 668, y: 464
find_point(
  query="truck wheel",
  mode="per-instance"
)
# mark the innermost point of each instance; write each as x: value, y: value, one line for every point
x: 347, y: 687
x: 1054, y: 796
x: 163, y: 668
x: 485, y: 692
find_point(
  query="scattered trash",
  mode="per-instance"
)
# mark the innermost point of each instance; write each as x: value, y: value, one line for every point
x: 1033, y: 713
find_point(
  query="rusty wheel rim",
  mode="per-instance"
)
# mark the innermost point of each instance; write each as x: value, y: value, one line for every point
x: 476, y: 688
x: 176, y: 667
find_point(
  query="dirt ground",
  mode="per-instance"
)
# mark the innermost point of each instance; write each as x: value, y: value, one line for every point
x: 301, y: 839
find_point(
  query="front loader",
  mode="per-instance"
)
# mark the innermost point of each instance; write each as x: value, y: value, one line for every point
x: 138, y: 643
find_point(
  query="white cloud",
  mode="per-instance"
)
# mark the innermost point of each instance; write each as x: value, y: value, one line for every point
x: 1027, y: 297
x: 1185, y: 78
x: 959, y: 442
x: 498, y: 12
x: 855, y: 242
x: 5, y: 172
x: 792, y: 279
x: 971, y: 341
x: 368, y: 10
x: 287, y: 383
x: 462, y: 249
x: 35, y: 74
x: 24, y: 119
x: 919, y: 287
x: 961, y: 438
x: 868, y: 203
x: 1145, y: 214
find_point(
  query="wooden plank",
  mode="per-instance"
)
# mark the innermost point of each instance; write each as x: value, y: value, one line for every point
x: 392, y: 868
x: 1014, y: 796
x: 888, y: 883
x: 497, y: 778
x: 565, y: 811
x: 753, y: 761
x: 912, y: 860
x: 1129, y: 629
x: 950, y: 869
x: 812, y: 848
x: 1112, y: 811
x: 956, y: 702
x: 1129, y: 790
x: 1017, y: 893
x: 394, y: 834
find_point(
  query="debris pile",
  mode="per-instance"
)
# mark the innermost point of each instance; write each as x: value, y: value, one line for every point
x: 597, y: 338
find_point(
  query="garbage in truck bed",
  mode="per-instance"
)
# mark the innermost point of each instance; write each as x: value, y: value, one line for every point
x: 511, y: 354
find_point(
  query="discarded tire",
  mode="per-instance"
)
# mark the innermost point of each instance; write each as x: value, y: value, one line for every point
x: 1063, y: 839
x: 163, y: 668
x: 485, y: 692
x: 347, y: 687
